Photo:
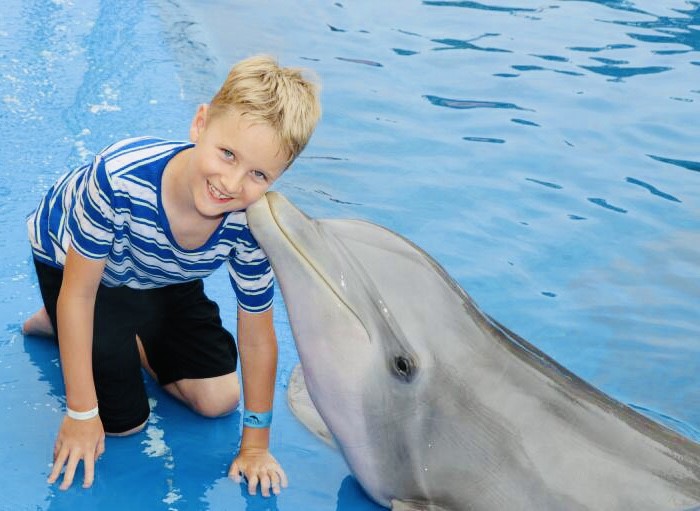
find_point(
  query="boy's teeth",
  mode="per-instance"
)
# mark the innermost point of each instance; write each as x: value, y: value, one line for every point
x: 217, y: 193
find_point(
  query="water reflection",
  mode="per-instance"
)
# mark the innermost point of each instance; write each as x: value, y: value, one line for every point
x: 674, y: 30
x: 366, y: 62
x: 621, y: 5
x: 466, y: 104
x: 617, y: 71
x: 605, y: 204
x: 477, y: 5
x: 686, y: 164
x: 457, y: 44
x: 652, y: 189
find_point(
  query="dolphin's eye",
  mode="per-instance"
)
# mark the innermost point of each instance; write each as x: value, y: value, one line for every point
x: 404, y: 368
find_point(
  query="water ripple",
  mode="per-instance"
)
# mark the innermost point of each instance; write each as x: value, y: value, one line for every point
x: 626, y: 72
x: 525, y: 122
x: 476, y: 5
x: 466, y: 104
x: 686, y: 164
x: 606, y: 205
x: 530, y: 67
x: 485, y: 139
x: 552, y: 58
x: 457, y: 44
x: 400, y: 51
x: 365, y: 62
x: 620, y: 5
x: 653, y: 190
x: 610, y: 62
x: 680, y: 30
x: 333, y: 199
x: 595, y: 49
x: 544, y: 183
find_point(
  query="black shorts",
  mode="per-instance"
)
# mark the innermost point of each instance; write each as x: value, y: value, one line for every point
x: 180, y: 329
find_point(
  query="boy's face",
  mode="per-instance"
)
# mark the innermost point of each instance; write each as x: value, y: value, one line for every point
x: 233, y: 163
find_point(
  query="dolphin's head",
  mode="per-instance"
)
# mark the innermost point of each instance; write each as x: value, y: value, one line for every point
x: 366, y: 313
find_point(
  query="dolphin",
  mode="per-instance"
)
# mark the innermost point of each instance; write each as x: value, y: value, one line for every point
x: 434, y: 405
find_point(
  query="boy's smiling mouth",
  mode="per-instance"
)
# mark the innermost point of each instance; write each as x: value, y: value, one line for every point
x: 217, y: 194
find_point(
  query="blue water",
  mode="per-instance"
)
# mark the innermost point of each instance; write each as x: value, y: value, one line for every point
x: 545, y: 153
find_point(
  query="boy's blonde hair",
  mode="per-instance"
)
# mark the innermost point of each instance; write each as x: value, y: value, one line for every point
x: 281, y: 97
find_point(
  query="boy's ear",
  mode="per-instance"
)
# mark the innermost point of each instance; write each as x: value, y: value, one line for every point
x: 199, y: 122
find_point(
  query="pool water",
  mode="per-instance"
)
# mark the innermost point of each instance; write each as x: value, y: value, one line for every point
x: 545, y: 153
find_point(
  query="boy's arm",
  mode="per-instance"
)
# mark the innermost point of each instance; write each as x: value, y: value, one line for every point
x: 257, y: 345
x: 78, y: 439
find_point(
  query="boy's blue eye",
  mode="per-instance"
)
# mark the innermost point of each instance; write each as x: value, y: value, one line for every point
x: 259, y: 175
x: 227, y: 154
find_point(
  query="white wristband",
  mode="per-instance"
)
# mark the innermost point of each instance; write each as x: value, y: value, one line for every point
x: 82, y: 416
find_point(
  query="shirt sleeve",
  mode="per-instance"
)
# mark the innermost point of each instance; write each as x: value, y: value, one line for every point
x: 251, y: 275
x: 91, y: 219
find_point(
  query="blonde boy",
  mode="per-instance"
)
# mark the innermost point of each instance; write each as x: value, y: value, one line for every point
x: 121, y: 246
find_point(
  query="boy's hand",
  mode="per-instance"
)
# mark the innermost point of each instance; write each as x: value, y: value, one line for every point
x: 77, y: 440
x: 258, y: 466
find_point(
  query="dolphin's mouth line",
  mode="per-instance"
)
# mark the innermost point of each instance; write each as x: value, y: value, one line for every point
x: 299, y: 250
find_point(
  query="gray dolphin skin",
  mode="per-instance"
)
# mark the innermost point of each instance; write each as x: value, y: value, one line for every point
x: 436, y: 406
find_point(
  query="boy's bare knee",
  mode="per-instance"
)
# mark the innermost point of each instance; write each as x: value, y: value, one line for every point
x: 212, y: 397
x: 218, y: 404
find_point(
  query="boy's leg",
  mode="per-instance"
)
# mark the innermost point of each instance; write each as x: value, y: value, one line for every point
x: 39, y: 324
x: 216, y: 396
x: 119, y: 380
x: 204, y: 395
x: 50, y: 279
x: 121, y: 393
x: 189, y: 352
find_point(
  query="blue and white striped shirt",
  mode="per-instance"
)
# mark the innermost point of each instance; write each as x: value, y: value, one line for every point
x: 111, y: 208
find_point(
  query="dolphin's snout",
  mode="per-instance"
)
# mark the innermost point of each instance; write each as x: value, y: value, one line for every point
x: 290, y: 237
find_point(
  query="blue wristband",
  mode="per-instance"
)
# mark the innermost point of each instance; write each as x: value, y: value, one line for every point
x: 257, y: 419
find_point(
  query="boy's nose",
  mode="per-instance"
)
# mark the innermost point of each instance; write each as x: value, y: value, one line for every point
x: 233, y: 181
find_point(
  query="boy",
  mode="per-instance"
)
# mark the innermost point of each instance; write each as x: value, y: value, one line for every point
x: 121, y: 246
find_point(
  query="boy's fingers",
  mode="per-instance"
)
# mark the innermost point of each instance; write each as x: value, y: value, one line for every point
x: 252, y: 484
x: 283, y: 477
x: 89, y: 466
x: 58, y: 462
x: 275, y: 481
x: 69, y: 474
x: 235, y: 473
x: 100, y: 448
x: 265, y: 485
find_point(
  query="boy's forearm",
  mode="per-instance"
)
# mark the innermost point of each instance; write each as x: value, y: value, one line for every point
x: 257, y: 345
x: 75, y: 322
x: 75, y: 312
x: 259, y: 368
